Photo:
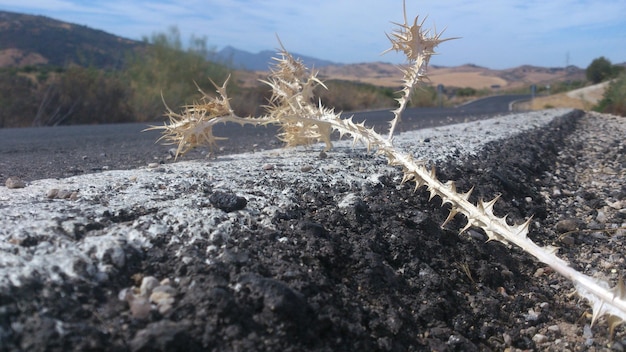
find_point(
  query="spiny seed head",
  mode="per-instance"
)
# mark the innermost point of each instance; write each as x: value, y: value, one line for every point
x: 194, y: 125
x: 413, y: 40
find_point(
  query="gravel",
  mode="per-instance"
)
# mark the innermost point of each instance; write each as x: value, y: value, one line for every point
x: 297, y: 249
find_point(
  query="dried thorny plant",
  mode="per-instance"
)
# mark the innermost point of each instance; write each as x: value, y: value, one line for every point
x: 304, y: 121
x: 418, y: 45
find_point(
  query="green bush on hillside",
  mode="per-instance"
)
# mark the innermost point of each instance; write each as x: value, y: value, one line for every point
x: 601, y: 70
x: 614, y: 99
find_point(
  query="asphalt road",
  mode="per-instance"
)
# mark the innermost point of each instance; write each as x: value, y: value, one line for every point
x: 62, y: 151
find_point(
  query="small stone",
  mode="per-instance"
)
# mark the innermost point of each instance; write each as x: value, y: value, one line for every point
x: 147, y: 285
x: 153, y: 165
x: 532, y: 315
x: 163, y: 299
x: 539, y: 338
x: 52, y: 193
x: 568, y: 240
x: 306, y: 168
x: 599, y: 235
x: 601, y: 217
x: 554, y: 328
x: 123, y: 294
x: 323, y: 155
x: 64, y: 194
x: 139, y: 306
x: 15, y: 182
x: 566, y: 225
x: 268, y: 167
x: 227, y: 201
x: 507, y: 339
x: 615, y: 205
x: 167, y: 289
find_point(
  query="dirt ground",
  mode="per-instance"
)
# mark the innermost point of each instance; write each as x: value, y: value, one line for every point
x: 379, y: 275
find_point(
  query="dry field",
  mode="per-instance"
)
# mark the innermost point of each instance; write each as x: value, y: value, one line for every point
x: 388, y: 75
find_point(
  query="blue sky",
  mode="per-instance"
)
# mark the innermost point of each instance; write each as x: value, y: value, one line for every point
x: 495, y: 33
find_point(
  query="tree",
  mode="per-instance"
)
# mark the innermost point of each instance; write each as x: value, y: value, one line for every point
x: 165, y: 69
x: 600, y: 70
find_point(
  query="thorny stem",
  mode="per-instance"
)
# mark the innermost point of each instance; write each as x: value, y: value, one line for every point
x: 418, y: 45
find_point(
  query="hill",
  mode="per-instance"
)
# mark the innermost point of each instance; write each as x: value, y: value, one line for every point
x: 245, y: 60
x: 477, y: 77
x: 35, y: 40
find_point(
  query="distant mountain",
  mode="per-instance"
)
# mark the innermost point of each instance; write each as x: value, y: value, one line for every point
x: 33, y: 40
x: 241, y: 59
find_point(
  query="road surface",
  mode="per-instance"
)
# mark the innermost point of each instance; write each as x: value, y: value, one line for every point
x: 62, y: 151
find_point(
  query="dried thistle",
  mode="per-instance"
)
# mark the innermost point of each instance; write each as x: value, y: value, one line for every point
x: 303, y: 122
x: 418, y: 45
x: 292, y: 103
x: 194, y: 125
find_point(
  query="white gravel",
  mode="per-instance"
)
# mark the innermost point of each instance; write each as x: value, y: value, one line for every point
x: 111, y: 212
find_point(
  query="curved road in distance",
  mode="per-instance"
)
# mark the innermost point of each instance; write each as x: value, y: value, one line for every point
x: 62, y: 151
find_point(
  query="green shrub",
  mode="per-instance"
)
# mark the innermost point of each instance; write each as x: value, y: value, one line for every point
x: 466, y: 92
x: 614, y: 99
x: 601, y: 70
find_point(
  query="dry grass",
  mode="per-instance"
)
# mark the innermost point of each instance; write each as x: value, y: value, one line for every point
x: 559, y: 101
x: 476, y: 80
x: 584, y: 98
